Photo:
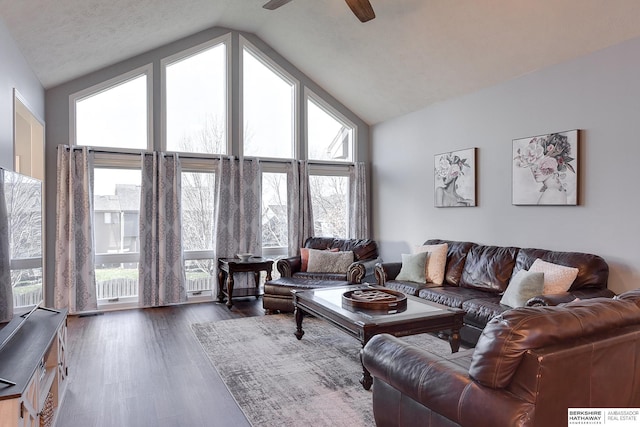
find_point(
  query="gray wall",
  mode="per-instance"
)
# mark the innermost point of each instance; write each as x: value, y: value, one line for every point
x: 57, y: 107
x: 599, y: 94
x: 15, y: 73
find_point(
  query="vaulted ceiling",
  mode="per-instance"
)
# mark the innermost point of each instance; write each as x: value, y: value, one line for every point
x: 413, y: 54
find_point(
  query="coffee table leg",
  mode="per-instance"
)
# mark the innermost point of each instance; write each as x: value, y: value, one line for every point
x: 299, y: 332
x: 366, y: 380
x: 454, y: 340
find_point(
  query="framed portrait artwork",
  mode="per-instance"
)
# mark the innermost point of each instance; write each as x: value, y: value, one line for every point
x: 455, y: 178
x: 545, y: 169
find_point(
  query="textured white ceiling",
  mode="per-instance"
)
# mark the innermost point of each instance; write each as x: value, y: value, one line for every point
x: 415, y: 53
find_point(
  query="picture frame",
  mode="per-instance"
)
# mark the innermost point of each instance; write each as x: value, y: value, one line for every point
x: 455, y: 178
x: 545, y: 170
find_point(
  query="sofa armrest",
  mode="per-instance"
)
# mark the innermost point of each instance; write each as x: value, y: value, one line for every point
x: 385, y: 271
x: 428, y: 379
x: 360, y: 270
x: 288, y: 266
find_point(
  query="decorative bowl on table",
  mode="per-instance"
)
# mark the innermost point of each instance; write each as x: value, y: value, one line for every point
x: 244, y: 257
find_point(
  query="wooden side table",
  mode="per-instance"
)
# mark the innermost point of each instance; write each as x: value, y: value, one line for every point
x: 228, y: 266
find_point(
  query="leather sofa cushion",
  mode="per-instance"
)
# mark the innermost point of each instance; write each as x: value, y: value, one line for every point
x: 480, y: 311
x: 409, y: 288
x: 456, y: 256
x: 633, y: 296
x: 452, y: 296
x: 488, y: 268
x: 508, y: 336
x: 362, y: 249
x: 593, y: 270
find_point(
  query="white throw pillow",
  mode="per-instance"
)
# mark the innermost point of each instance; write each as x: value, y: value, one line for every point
x: 557, y: 278
x: 413, y: 267
x: 523, y: 286
x: 321, y: 261
x: 436, y: 263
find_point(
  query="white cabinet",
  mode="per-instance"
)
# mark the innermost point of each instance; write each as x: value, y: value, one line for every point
x: 35, y: 360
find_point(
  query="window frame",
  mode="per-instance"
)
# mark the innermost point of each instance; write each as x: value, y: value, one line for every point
x: 104, y: 160
x: 146, y: 70
x: 311, y: 96
x: 337, y: 170
x: 188, y: 53
x: 267, y: 166
x: 197, y: 165
x: 284, y: 75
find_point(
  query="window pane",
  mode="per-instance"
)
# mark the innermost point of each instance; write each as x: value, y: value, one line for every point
x: 116, y: 204
x: 23, y: 198
x: 115, y: 280
x: 196, y: 102
x: 327, y: 138
x: 268, y: 110
x: 27, y: 286
x: 274, y: 210
x: 197, y: 210
x: 200, y: 275
x: 329, y: 199
x: 115, y: 117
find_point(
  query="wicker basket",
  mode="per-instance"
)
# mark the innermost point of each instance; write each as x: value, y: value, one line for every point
x: 46, y: 415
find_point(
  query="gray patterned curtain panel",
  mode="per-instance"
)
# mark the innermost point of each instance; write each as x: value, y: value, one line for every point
x: 299, y: 203
x: 359, y: 213
x: 161, y: 267
x: 75, y: 285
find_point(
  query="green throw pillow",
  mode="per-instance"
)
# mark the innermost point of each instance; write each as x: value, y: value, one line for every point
x: 413, y: 267
x: 523, y: 286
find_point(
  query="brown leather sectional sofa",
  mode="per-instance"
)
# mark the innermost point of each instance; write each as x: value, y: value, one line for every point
x: 477, y: 275
x: 530, y: 365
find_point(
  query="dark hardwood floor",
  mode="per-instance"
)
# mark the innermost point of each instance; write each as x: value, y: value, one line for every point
x: 144, y: 367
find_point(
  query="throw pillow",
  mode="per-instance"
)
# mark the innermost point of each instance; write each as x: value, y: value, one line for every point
x: 322, y: 261
x: 523, y: 286
x: 436, y: 263
x: 413, y: 267
x: 557, y: 278
x: 304, y: 257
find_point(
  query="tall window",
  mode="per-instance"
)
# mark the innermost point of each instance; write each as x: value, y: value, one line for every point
x: 329, y: 136
x: 116, y: 204
x: 330, y: 201
x: 198, y: 231
x: 114, y: 114
x: 23, y: 197
x: 196, y: 100
x: 268, y: 108
x: 275, y: 233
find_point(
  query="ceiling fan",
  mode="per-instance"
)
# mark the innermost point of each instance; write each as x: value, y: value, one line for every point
x: 361, y: 8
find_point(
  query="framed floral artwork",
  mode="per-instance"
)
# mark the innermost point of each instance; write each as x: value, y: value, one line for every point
x: 545, y: 169
x: 455, y: 178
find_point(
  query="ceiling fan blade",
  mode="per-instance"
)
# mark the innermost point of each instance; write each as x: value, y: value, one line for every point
x: 274, y: 4
x: 362, y: 9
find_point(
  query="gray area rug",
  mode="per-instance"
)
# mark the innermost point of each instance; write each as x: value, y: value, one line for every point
x: 278, y: 380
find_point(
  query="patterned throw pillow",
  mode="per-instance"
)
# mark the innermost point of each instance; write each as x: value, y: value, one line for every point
x: 321, y: 261
x: 557, y: 278
x: 413, y: 267
x: 304, y: 257
x: 436, y: 263
x: 523, y: 286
